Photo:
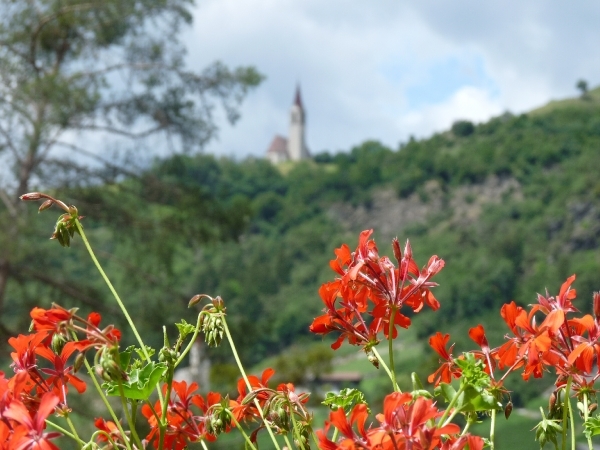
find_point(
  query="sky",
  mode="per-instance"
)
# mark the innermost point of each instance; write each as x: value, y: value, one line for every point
x: 391, y: 69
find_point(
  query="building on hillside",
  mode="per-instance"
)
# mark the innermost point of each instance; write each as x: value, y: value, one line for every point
x: 294, y: 147
x: 198, y: 370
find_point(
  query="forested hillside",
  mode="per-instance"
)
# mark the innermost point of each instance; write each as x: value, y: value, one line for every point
x: 511, y: 205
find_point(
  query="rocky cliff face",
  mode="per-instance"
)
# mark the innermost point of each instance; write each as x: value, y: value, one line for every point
x: 389, y: 215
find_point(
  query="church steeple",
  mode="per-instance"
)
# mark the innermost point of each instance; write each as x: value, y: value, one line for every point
x: 294, y: 147
x: 297, y: 149
x: 298, y: 98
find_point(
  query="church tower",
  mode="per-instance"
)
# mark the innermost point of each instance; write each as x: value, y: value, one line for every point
x: 297, y: 149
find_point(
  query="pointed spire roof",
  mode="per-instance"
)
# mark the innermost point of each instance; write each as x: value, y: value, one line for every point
x: 298, y: 98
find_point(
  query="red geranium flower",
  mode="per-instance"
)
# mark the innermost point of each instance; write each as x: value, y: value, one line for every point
x: 29, y: 435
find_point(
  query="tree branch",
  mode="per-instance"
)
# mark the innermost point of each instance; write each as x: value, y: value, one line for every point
x: 97, y: 158
x: 121, y: 132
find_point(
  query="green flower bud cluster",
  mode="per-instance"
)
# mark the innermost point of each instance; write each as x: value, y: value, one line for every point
x: 213, y: 328
x: 65, y: 227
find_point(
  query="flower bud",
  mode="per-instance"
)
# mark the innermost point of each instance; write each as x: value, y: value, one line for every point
x: 47, y: 204
x: 194, y: 300
x: 218, y: 303
x: 79, y: 360
x: 508, y: 409
x: 58, y: 342
x: 373, y: 360
x: 597, y: 305
x: 31, y: 196
x: 397, y: 251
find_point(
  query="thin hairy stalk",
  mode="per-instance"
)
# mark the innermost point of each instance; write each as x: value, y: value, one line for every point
x: 117, y: 298
x: 445, y: 420
x: 112, y: 290
x: 586, y: 415
x: 106, y: 403
x: 385, y: 367
x: 162, y: 428
x: 295, y: 428
x: 245, y: 377
x: 287, y: 441
x: 241, y: 430
x: 492, y: 429
x: 566, y: 407
x: 314, y: 438
x: 335, y: 434
x: 191, y: 343
x: 63, y: 431
x: 572, y: 422
x: 391, y: 349
x: 131, y: 423
x: 74, y: 431
x: 106, y: 435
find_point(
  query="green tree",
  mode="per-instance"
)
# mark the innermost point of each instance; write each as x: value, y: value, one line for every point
x: 582, y: 85
x: 77, y: 74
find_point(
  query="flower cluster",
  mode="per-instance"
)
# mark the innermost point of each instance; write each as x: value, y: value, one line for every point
x: 366, y: 299
x: 281, y: 408
x: 542, y: 337
x: 406, y: 422
x: 43, y: 375
x: 371, y: 290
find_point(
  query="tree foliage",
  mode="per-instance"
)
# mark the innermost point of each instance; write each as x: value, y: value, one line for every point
x: 87, y: 89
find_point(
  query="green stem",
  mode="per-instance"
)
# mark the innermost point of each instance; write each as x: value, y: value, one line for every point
x: 295, y: 428
x: 566, y: 407
x: 287, y: 442
x: 445, y: 419
x: 335, y: 434
x: 106, y: 403
x: 383, y: 364
x: 245, y: 377
x: 586, y: 415
x: 112, y: 290
x: 191, y: 343
x: 74, y: 431
x: 572, y: 421
x: 131, y: 423
x: 492, y: 429
x: 241, y: 430
x: 315, y: 439
x: 106, y: 435
x: 391, y: 349
x: 117, y: 298
x: 163, y: 420
x: 62, y: 430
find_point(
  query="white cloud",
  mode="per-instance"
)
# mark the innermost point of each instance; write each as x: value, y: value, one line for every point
x: 389, y: 69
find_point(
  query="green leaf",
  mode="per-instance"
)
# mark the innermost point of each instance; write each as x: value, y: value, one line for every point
x: 592, y: 426
x: 185, y: 328
x: 141, y: 382
x: 347, y: 399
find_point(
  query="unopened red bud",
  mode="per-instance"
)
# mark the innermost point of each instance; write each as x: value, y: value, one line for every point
x: 194, y: 300
x: 47, y: 204
x: 593, y: 407
x: 552, y: 402
x: 31, y: 196
x: 408, y: 251
x: 508, y: 410
x: 218, y: 302
x: 597, y: 305
x: 397, y: 251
